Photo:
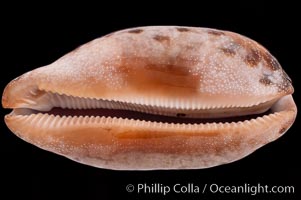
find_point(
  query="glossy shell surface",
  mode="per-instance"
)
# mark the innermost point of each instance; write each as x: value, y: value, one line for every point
x: 166, y: 97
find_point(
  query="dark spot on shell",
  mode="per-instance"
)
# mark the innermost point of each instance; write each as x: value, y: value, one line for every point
x: 161, y: 38
x: 265, y: 81
x: 252, y: 58
x: 189, y: 47
x: 136, y: 31
x: 228, y: 51
x: 181, y: 114
x: 215, y: 32
x: 107, y: 129
x: 282, y: 130
x: 183, y: 29
x: 271, y: 62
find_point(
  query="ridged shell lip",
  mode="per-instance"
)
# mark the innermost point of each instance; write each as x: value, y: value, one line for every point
x: 154, y: 98
x: 69, y: 106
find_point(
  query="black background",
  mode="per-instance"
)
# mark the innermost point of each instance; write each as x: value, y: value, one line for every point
x: 38, y: 36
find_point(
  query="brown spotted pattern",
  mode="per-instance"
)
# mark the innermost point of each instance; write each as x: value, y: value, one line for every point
x: 271, y: 62
x: 215, y: 32
x: 186, y: 57
x: 161, y: 38
x: 265, y: 81
x: 182, y: 29
x: 255, y: 53
x: 136, y: 31
x: 228, y: 51
x: 282, y: 130
x: 168, y: 72
x: 252, y: 58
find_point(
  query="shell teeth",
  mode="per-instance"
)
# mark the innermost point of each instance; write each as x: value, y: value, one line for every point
x: 78, y: 102
x: 72, y: 102
x: 51, y: 121
x: 158, y: 106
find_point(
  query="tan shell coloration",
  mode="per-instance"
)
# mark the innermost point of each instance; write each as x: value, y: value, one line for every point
x: 162, y: 70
